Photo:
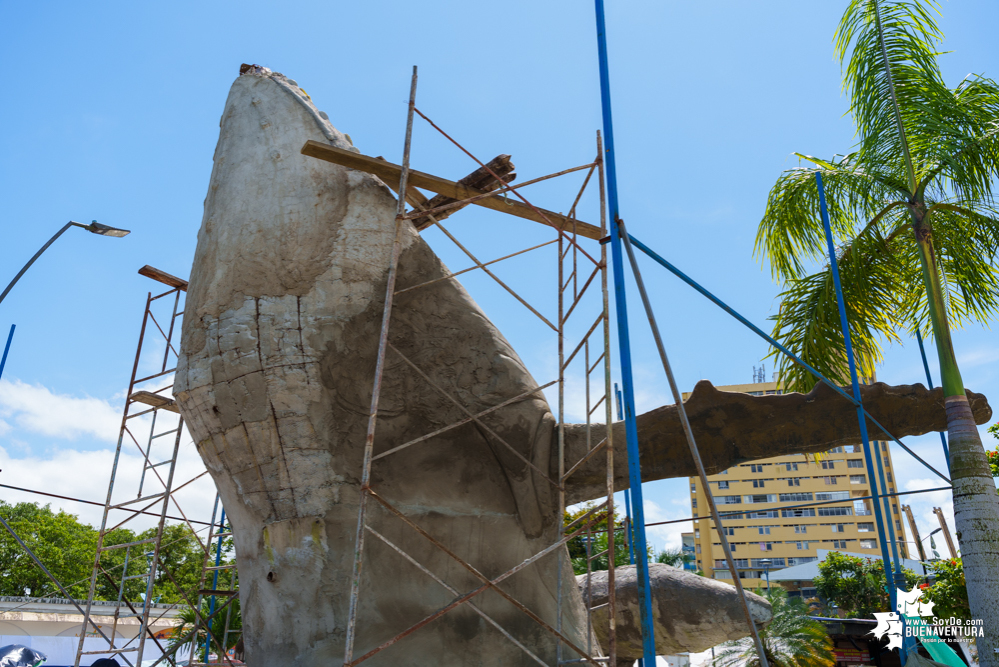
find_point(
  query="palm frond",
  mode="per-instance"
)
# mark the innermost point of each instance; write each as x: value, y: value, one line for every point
x: 791, y: 232
x: 958, y: 146
x: 902, y: 34
x: 808, y: 321
x: 791, y: 639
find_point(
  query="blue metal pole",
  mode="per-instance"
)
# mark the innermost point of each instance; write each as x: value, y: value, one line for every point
x: 6, y: 349
x: 844, y: 323
x: 755, y: 329
x: 627, y: 494
x: 929, y: 382
x: 624, y: 345
x: 215, y: 585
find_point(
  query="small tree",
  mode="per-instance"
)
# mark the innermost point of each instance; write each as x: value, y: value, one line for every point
x: 856, y: 585
x: 791, y: 639
x: 949, y: 593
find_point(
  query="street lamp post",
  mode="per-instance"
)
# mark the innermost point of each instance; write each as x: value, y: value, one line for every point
x: 94, y: 228
x: 765, y: 563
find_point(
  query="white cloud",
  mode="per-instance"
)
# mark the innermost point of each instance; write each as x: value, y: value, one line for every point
x: 85, y: 474
x: 979, y: 356
x: 667, y: 536
x: 37, y: 409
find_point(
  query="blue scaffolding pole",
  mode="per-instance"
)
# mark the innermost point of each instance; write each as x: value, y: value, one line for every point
x: 6, y: 349
x: 624, y: 345
x: 878, y: 487
x: 929, y: 384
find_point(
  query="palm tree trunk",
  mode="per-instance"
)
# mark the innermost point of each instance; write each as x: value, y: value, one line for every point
x: 976, y: 504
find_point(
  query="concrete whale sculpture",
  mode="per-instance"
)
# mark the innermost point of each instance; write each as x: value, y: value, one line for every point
x: 274, y: 381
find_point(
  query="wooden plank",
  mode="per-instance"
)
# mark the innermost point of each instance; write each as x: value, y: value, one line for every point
x: 480, y: 179
x: 163, y: 277
x: 389, y: 172
x: 155, y: 400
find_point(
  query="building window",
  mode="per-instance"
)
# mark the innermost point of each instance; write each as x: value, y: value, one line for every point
x: 884, y: 446
x: 828, y: 465
x: 865, y: 527
x: 801, y: 529
x: 693, y: 487
x: 728, y: 531
x: 722, y: 485
x: 834, y: 511
x: 723, y: 472
x: 898, y: 526
x: 830, y: 480
x: 839, y: 544
x: 838, y: 528
x: 793, y: 481
x: 835, y: 450
x: 732, y: 546
x: 697, y: 533
x: 833, y: 495
x: 868, y: 544
x: 894, y: 509
x: 766, y: 546
x: 764, y: 530
x: 797, y: 513
x: 855, y: 463
x: 801, y: 545
x: 729, y: 500
x: 693, y: 502
x: 886, y: 461
x: 756, y: 468
x: 795, y: 497
x: 758, y: 483
x: 698, y: 548
x: 791, y: 466
x: 889, y: 477
x: 858, y: 479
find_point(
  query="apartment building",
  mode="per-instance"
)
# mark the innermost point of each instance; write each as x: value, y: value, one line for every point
x: 766, y: 528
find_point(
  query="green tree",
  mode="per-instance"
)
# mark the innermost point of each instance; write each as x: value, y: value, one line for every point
x: 791, y: 639
x: 180, y: 556
x: 856, y: 585
x: 66, y: 547
x: 60, y: 541
x: 949, y: 591
x: 598, y: 542
x: 913, y: 205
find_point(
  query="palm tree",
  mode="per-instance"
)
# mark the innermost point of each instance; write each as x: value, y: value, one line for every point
x: 188, y: 618
x: 791, y: 639
x: 912, y: 205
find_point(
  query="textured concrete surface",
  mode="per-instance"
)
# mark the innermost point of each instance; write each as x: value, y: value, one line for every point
x: 691, y: 613
x: 275, y: 380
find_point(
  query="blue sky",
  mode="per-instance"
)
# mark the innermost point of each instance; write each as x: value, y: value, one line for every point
x: 112, y: 113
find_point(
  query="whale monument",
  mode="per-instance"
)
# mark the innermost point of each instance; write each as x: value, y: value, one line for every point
x: 275, y: 378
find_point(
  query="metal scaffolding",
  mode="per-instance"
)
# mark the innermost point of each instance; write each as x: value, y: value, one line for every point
x: 580, y: 308
x: 152, y: 427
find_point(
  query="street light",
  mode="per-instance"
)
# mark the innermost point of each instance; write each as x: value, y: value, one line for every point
x: 765, y: 563
x: 94, y: 228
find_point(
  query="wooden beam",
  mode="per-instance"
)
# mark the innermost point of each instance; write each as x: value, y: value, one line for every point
x: 163, y: 277
x: 480, y: 179
x: 389, y: 172
x: 155, y: 400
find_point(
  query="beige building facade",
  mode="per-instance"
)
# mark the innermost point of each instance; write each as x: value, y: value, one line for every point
x: 766, y: 530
